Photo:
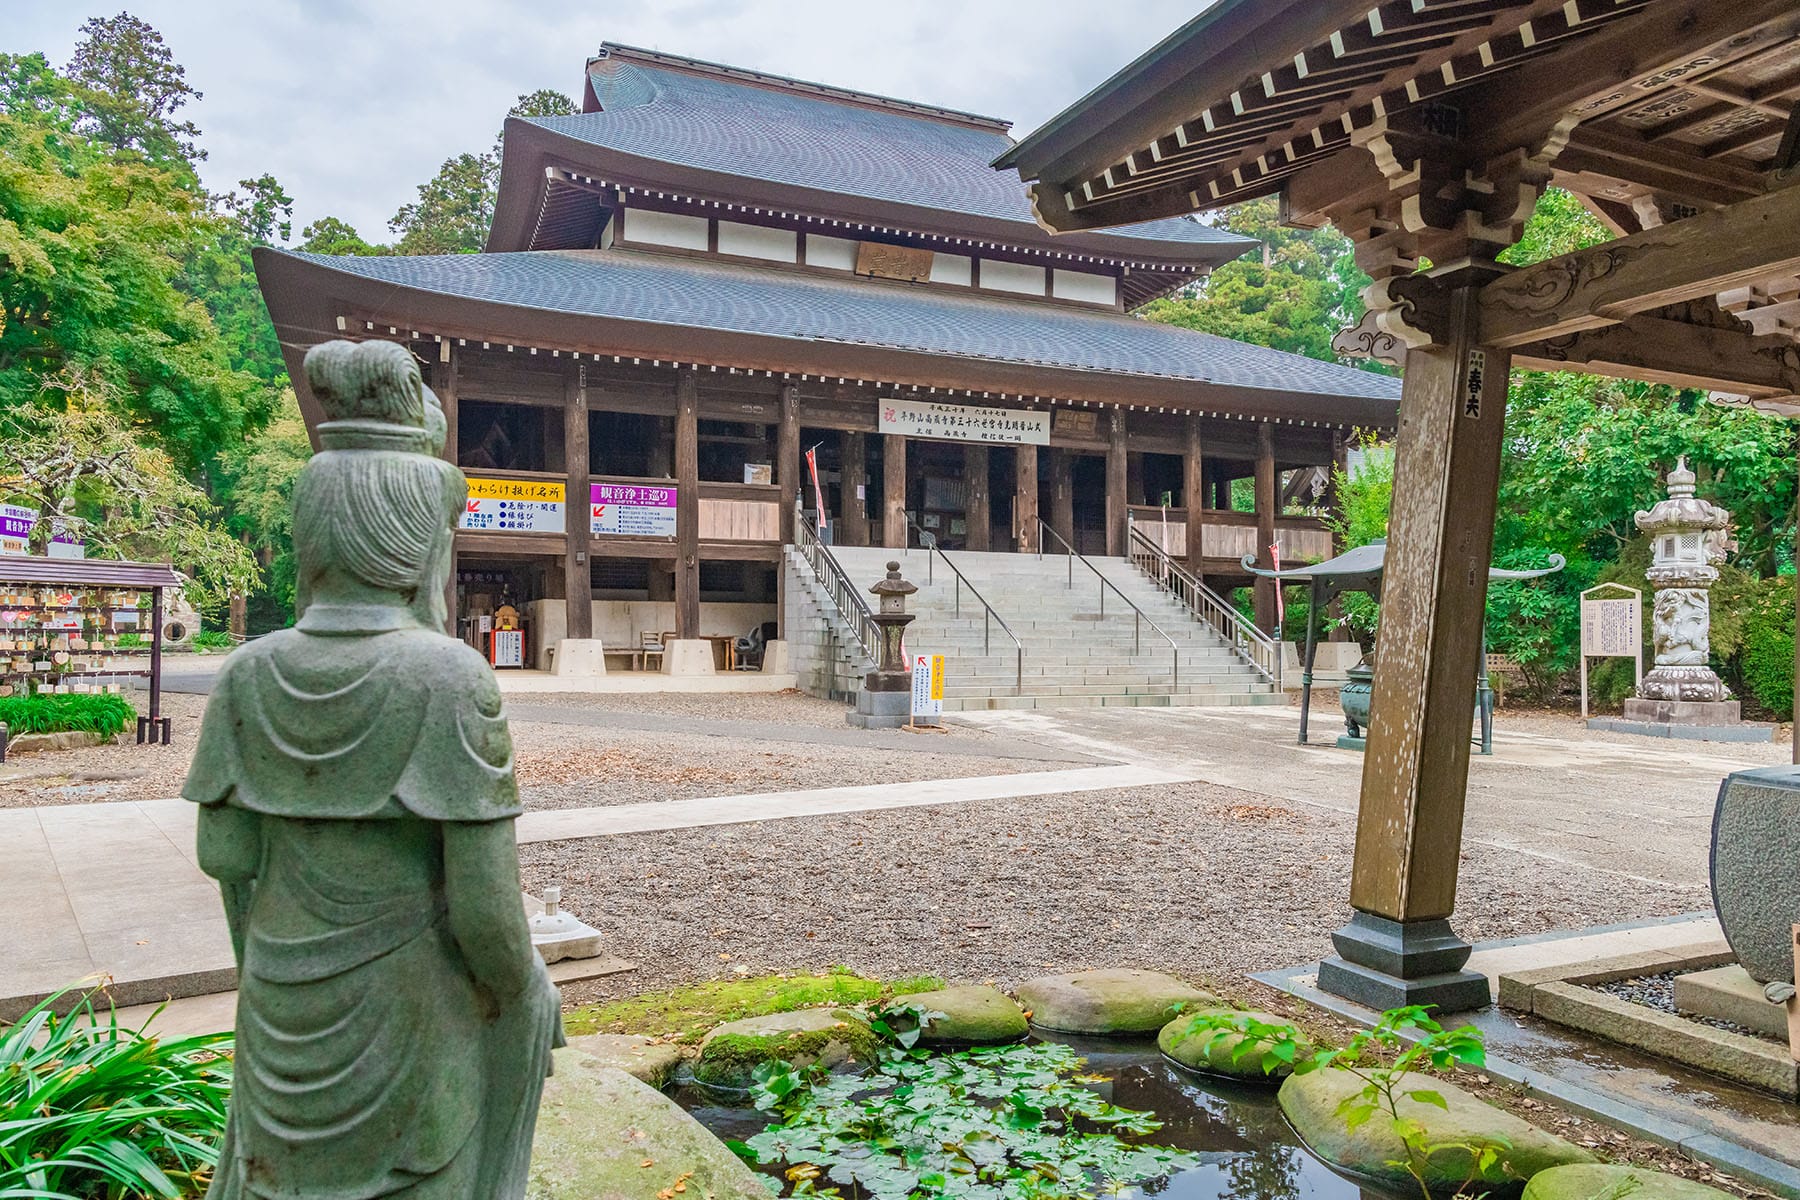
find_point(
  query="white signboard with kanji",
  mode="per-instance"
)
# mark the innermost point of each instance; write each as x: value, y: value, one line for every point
x: 963, y: 422
x: 1612, y: 626
x: 927, y: 685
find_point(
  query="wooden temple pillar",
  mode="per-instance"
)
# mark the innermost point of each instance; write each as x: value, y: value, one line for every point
x: 1025, y: 499
x: 788, y: 472
x: 893, y: 491
x: 853, y: 520
x: 1399, y: 948
x: 1268, y: 503
x: 687, y: 505
x: 578, y: 580
x: 1116, y: 503
x: 1193, y: 490
x: 978, y: 514
x: 1062, y: 495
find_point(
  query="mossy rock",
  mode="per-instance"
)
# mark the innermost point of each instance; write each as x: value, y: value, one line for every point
x: 1311, y: 1103
x: 1111, y: 1003
x: 827, y: 1037
x: 1604, y: 1181
x: 640, y: 1057
x: 1200, y: 1051
x: 974, y: 1015
x: 601, y: 1132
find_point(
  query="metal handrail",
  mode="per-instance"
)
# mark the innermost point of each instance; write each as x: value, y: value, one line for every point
x: 1248, y: 642
x: 1139, y: 617
x: 846, y: 597
x: 928, y: 542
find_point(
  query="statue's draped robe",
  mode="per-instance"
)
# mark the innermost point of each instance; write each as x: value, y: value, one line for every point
x: 363, y: 1038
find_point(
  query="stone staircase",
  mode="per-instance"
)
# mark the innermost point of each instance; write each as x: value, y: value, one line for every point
x: 1073, y: 656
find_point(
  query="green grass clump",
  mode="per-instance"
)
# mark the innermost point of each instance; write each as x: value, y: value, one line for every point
x: 92, y: 1110
x: 689, y: 1013
x: 103, y: 713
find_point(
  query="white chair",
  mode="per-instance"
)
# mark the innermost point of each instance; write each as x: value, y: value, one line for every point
x: 650, y: 645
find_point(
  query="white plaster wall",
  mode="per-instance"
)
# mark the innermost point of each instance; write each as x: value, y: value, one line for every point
x: 839, y: 254
x: 664, y: 229
x: 1084, y: 285
x: 618, y: 623
x: 758, y: 241
x: 1012, y: 277
x: 950, y: 268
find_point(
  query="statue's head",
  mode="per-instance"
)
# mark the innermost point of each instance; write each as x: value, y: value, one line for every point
x: 375, y: 509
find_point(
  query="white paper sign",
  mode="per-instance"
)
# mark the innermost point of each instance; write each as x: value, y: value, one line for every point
x: 928, y: 685
x: 1611, y: 628
x: 964, y: 423
x: 508, y: 648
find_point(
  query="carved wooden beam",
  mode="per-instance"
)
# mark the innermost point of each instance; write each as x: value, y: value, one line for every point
x: 1701, y: 256
x: 1659, y: 350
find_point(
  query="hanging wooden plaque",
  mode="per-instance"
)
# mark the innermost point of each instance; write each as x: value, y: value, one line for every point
x: 883, y: 261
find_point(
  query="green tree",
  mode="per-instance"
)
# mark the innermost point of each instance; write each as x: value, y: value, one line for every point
x: 131, y: 88
x: 1295, y: 295
x: 330, y: 235
x: 90, y: 475
x: 261, y: 475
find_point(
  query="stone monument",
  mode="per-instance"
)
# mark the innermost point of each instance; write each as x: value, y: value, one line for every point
x: 1681, y: 696
x: 355, y: 783
x: 885, y: 701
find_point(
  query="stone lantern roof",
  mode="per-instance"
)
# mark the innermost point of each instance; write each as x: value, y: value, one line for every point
x: 893, y: 585
x: 1682, y: 510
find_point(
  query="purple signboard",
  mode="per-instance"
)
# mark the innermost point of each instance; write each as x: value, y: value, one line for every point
x: 632, y: 509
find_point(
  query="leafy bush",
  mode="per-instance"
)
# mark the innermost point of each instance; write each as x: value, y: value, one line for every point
x: 103, y: 713
x: 991, y: 1124
x: 1766, y: 657
x: 91, y: 1111
x: 212, y: 639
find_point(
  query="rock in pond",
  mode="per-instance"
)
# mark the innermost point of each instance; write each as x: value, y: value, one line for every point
x: 974, y: 1015
x: 603, y: 1133
x: 1112, y: 1002
x: 1586, y: 1181
x: 1201, y: 1052
x: 1311, y: 1104
x: 830, y: 1037
x: 653, y: 1062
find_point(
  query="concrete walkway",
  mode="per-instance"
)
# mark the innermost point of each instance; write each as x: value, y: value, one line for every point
x: 115, y: 889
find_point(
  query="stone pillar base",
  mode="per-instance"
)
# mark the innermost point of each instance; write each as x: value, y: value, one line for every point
x: 578, y: 656
x: 1383, y: 964
x: 688, y: 656
x: 885, y: 702
x: 776, y: 659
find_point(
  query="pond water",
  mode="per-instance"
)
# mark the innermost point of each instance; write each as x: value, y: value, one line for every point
x: 1247, y: 1148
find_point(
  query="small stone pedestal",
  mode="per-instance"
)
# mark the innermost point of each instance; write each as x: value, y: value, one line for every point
x: 688, y: 656
x: 1383, y: 963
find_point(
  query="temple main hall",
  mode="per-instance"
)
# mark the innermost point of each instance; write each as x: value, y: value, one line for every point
x: 717, y: 303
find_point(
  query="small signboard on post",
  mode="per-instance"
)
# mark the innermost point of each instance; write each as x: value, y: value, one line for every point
x: 1612, y: 626
x: 927, y: 685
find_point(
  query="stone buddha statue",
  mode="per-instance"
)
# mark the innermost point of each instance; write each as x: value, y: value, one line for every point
x: 355, y: 782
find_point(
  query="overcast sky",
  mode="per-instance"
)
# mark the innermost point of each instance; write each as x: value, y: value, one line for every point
x: 352, y: 105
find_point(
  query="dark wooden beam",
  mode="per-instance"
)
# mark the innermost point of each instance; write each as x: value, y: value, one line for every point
x: 979, y: 516
x: 893, y: 491
x: 787, y: 458
x: 1062, y: 495
x: 1657, y: 350
x: 1267, y: 505
x: 578, y: 586
x: 1701, y: 256
x: 1117, y: 502
x: 1193, y: 490
x: 853, y: 488
x: 1025, y: 499
x: 687, y: 507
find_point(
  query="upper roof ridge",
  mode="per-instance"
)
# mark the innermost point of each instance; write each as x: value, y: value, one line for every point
x: 698, y: 66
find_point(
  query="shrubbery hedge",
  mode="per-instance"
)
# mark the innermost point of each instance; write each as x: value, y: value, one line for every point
x: 104, y: 713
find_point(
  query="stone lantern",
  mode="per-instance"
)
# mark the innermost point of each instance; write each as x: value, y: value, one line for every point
x: 1688, y: 537
x: 885, y: 701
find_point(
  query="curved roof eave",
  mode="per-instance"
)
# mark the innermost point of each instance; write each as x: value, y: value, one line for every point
x: 529, y: 149
x: 305, y: 298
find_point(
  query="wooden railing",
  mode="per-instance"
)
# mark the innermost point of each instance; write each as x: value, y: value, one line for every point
x: 1231, y: 535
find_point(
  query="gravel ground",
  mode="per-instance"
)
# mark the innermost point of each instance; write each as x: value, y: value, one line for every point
x: 1206, y: 881
x: 123, y: 770
x: 573, y: 766
x: 1658, y: 992
x: 568, y: 765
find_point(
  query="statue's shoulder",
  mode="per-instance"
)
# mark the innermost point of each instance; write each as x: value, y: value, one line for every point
x: 434, y: 661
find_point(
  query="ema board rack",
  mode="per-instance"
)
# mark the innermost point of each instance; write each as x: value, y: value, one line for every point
x: 63, y: 640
